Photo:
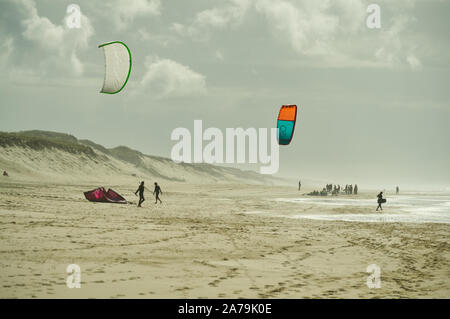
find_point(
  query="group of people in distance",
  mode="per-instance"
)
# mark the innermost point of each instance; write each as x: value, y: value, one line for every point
x: 335, y: 190
x: 349, y: 189
x: 141, y: 189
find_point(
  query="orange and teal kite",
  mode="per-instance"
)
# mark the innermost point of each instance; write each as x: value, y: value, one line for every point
x: 286, y: 123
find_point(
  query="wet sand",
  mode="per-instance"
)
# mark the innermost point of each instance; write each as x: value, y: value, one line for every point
x: 205, y: 242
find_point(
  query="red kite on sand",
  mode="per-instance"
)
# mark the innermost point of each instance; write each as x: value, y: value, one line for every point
x: 100, y: 195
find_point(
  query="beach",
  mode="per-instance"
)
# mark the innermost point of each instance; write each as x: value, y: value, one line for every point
x: 212, y: 241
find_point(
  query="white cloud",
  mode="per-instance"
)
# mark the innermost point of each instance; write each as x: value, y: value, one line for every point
x: 351, y: 15
x: 43, y: 32
x: 125, y: 11
x: 219, y: 55
x: 414, y: 62
x: 167, y: 78
x: 334, y: 33
x: 395, y: 49
x: 53, y: 46
x: 230, y: 15
x: 308, y: 26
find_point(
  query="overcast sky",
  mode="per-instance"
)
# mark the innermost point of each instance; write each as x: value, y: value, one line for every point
x: 374, y: 103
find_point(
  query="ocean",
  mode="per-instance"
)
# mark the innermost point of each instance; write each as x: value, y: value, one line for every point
x: 399, y: 208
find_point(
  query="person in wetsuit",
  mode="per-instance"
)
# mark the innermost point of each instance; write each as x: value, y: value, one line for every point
x: 141, y: 193
x: 380, y: 200
x: 156, y: 193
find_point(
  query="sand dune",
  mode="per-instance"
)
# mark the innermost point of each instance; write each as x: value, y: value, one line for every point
x: 58, y: 157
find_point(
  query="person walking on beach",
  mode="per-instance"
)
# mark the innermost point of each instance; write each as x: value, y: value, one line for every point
x: 156, y: 193
x: 397, y: 190
x: 141, y: 193
x: 380, y: 200
x: 355, y: 190
x: 299, y: 184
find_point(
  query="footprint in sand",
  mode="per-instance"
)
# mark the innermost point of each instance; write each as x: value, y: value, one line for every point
x: 214, y: 283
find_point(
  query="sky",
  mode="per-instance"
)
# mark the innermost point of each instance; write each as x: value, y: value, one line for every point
x: 373, y: 102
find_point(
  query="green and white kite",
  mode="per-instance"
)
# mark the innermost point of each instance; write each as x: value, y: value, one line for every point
x: 117, y: 66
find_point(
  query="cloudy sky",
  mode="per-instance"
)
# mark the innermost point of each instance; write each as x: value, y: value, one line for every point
x: 374, y: 103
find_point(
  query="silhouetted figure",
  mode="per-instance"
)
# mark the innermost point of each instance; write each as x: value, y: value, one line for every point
x: 380, y: 200
x: 299, y: 185
x: 397, y: 190
x: 156, y: 193
x: 355, y: 190
x: 335, y: 191
x: 5, y: 174
x: 141, y: 193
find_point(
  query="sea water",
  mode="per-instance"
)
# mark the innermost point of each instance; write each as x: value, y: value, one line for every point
x: 408, y: 209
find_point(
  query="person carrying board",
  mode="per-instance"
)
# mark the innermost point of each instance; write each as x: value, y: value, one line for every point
x: 380, y: 200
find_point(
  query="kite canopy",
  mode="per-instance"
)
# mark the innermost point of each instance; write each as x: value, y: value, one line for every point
x: 100, y: 195
x: 286, y: 123
x: 117, y: 66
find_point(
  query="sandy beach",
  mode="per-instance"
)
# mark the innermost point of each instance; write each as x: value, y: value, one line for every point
x: 209, y: 241
x: 274, y: 129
